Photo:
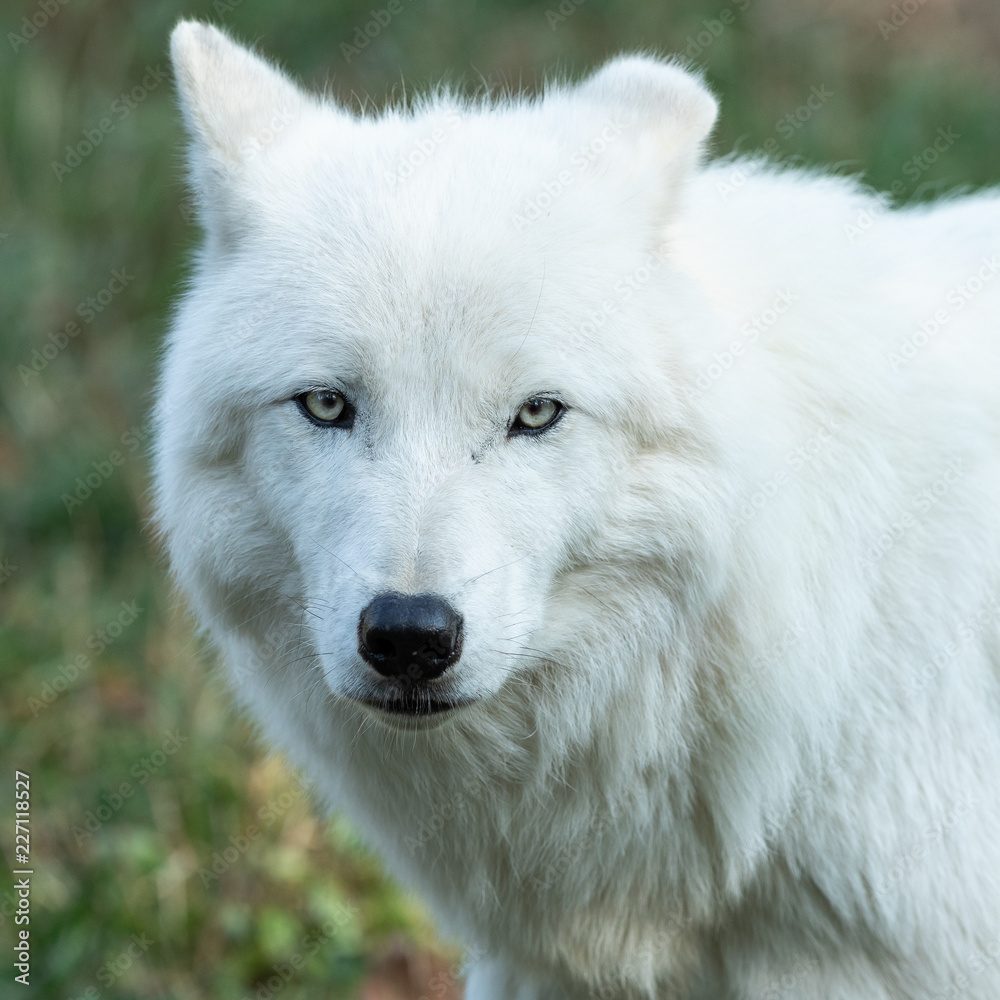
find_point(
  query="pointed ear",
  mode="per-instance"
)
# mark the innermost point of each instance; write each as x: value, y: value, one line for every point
x: 231, y: 98
x: 234, y: 105
x: 668, y: 112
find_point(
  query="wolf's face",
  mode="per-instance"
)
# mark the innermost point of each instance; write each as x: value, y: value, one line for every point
x: 408, y: 394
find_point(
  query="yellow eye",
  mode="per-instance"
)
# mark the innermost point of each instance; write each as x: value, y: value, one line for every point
x: 325, y: 405
x: 537, y: 414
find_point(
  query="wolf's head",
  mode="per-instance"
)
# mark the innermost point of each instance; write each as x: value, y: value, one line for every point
x: 423, y: 431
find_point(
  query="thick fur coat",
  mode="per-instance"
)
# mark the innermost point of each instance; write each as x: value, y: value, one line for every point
x: 730, y: 720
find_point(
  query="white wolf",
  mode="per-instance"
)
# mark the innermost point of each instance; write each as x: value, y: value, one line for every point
x: 615, y: 538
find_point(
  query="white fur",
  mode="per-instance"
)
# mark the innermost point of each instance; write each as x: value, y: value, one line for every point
x: 737, y: 736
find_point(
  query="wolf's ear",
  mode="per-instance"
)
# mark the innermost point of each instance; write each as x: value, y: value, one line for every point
x: 656, y: 94
x: 667, y: 111
x: 234, y: 104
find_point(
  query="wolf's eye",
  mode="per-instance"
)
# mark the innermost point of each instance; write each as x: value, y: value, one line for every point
x: 536, y: 415
x: 327, y: 407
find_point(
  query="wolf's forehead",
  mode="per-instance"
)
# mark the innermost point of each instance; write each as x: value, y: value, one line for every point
x: 441, y: 320
x: 451, y: 172
x: 430, y: 240
x: 390, y: 313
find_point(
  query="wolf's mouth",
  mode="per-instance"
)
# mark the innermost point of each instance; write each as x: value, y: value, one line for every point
x: 413, y: 705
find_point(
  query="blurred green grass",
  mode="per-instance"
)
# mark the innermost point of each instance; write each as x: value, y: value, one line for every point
x: 71, y: 402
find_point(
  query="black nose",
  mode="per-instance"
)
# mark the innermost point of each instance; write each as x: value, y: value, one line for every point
x: 417, y: 636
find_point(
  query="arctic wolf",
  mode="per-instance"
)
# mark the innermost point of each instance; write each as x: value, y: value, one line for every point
x: 615, y: 538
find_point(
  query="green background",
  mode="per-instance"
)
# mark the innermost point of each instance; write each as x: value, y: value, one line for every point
x: 99, y: 660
